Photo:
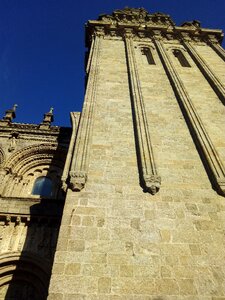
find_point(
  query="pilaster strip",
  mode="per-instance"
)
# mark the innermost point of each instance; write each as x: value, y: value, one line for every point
x: 218, y: 49
x: 215, y: 83
x: 201, y: 137
x: 148, y: 173
x: 75, y: 117
x: 79, y: 165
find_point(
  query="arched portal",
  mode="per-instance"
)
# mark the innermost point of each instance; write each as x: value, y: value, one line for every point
x: 23, y: 276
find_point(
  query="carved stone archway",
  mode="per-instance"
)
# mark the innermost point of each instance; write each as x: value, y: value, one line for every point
x: 23, y: 276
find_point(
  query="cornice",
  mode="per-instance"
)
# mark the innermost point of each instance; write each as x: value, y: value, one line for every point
x: 35, y: 129
x: 143, y: 25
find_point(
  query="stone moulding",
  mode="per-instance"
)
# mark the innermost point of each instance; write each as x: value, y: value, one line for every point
x: 80, y: 160
x: 148, y: 174
x: 143, y: 24
x: 206, y: 71
x: 217, y: 48
x: 208, y: 152
x: 75, y: 117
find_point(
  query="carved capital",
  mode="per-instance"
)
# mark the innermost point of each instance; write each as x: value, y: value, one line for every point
x: 7, y: 220
x: 18, y: 220
x: 99, y: 31
x: 77, y: 180
x: 157, y: 35
x: 185, y: 36
x: 213, y: 39
x: 152, y: 183
x: 128, y: 33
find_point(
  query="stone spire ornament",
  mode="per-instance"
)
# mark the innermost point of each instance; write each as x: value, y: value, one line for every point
x: 47, y: 120
x: 10, y: 114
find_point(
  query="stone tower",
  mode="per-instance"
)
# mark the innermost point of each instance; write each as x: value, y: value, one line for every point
x: 144, y: 212
x: 142, y: 174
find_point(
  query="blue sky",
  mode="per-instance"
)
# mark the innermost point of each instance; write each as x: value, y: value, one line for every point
x: 42, y: 49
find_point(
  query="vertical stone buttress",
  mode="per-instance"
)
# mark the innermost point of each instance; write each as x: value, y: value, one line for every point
x: 152, y: 121
x: 79, y: 167
x: 148, y: 172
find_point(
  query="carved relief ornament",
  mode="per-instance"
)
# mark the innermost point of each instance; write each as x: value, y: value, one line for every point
x: 144, y: 23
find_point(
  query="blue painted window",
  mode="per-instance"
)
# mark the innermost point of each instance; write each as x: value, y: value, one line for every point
x: 43, y: 186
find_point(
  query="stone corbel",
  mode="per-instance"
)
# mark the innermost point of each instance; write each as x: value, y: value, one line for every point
x: 77, y: 181
x: 152, y: 183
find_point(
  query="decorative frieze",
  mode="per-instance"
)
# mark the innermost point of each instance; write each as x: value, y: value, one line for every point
x: 149, y: 177
x: 143, y: 24
x: 207, y: 150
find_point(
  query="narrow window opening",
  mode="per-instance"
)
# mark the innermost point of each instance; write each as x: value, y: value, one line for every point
x: 43, y: 186
x: 181, y: 58
x: 148, y: 54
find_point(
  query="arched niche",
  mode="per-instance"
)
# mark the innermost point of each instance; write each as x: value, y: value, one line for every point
x: 26, y: 165
x: 23, y: 276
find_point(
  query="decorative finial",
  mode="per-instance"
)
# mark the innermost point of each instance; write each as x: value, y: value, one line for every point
x: 10, y: 114
x: 47, y: 120
x: 15, y: 107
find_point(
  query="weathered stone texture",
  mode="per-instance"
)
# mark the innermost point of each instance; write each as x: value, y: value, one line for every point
x: 118, y: 242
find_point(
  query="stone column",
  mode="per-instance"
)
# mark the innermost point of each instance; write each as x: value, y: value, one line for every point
x: 75, y: 116
x: 207, y: 150
x: 148, y: 173
x: 3, y: 174
x: 79, y: 166
x: 215, y: 83
x: 213, y: 42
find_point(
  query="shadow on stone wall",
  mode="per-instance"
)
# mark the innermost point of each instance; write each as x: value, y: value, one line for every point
x: 29, y: 271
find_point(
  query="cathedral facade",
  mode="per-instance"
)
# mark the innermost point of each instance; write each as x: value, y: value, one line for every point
x: 129, y: 204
